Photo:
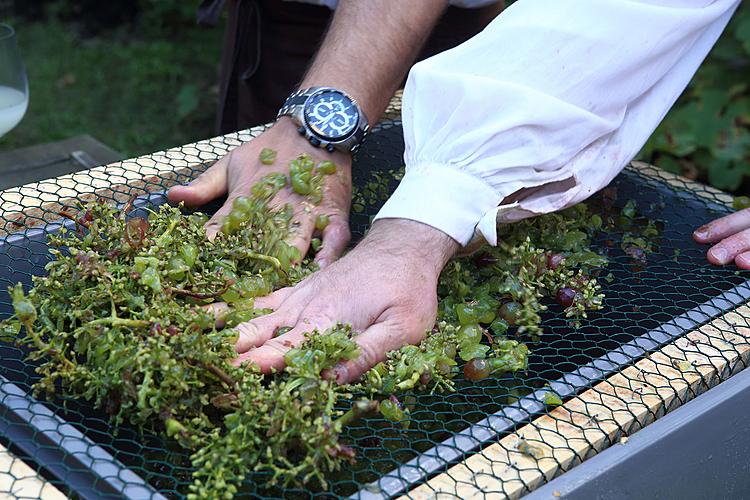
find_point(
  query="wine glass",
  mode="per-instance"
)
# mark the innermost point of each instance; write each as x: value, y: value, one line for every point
x: 14, y: 88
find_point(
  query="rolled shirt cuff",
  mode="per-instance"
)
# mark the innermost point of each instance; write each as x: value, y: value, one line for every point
x: 451, y: 200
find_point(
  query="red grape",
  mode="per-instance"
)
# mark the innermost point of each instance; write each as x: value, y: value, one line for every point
x: 565, y: 296
x: 477, y: 369
x: 554, y: 260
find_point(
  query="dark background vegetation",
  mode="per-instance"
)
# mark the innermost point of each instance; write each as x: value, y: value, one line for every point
x: 140, y: 76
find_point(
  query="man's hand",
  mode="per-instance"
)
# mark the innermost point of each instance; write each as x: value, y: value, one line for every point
x: 386, y: 288
x: 366, y: 59
x: 238, y: 171
x: 732, y: 233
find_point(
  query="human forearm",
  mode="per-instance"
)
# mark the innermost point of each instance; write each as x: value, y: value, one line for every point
x: 370, y: 46
x: 411, y: 241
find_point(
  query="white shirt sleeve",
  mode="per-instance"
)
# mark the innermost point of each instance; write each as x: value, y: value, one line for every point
x: 547, y: 104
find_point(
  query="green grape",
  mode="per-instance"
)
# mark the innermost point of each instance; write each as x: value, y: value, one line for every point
x: 253, y: 286
x: 391, y: 411
x: 199, y: 218
x: 466, y: 314
x: 305, y: 176
x: 470, y: 334
x: 288, y: 254
x: 140, y: 264
x: 232, y: 295
x: 189, y: 254
x: 741, y: 202
x: 234, y: 318
x: 262, y: 191
x: 177, y: 268
x: 300, y: 186
x: 242, y: 205
x: 326, y: 167
x: 232, y: 222
x: 315, y: 244
x: 484, y: 313
x: 267, y: 156
x: 276, y: 180
x: 499, y: 326
x: 473, y: 351
x: 150, y: 278
x: 322, y: 221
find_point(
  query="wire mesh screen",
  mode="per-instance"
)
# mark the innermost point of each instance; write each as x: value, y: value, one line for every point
x: 666, y: 332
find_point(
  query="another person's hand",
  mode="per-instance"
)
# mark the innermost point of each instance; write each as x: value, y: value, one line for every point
x: 731, y: 235
x: 238, y: 171
x: 386, y: 288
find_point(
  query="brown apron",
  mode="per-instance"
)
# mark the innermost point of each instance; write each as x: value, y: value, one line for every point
x: 268, y: 45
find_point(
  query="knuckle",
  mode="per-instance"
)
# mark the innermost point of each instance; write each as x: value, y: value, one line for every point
x: 318, y: 319
x: 339, y: 232
x: 414, y: 323
x: 247, y: 331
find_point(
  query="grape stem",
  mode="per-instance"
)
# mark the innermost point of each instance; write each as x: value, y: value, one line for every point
x: 357, y: 411
x: 218, y: 372
x: 128, y: 205
x: 207, y: 295
x: 78, y: 222
x: 29, y: 325
x: 135, y: 323
x: 257, y: 256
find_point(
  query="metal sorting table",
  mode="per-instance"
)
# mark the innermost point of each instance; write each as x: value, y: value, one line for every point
x: 621, y: 371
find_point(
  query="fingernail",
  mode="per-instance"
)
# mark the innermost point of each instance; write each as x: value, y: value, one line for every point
x: 341, y: 374
x: 702, y: 233
x: 720, y: 254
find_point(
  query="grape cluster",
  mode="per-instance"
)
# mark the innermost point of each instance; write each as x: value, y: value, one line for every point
x: 307, y: 177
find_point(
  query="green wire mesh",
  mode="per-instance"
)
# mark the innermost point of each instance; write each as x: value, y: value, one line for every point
x: 646, y: 306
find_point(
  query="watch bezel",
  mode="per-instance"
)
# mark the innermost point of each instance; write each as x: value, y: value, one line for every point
x: 324, y: 138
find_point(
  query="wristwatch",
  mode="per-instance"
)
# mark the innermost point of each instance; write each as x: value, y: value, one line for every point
x: 329, y: 118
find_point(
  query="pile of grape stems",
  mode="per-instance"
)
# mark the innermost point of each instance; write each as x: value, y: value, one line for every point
x: 120, y: 320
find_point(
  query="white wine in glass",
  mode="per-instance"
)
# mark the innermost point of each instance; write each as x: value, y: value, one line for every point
x: 14, y: 87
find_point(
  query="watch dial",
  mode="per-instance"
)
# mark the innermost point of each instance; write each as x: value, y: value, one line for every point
x: 331, y: 114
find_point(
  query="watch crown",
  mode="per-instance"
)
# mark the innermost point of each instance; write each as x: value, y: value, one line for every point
x: 330, y: 148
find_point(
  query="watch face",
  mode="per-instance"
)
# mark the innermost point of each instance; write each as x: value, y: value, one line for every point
x: 331, y: 114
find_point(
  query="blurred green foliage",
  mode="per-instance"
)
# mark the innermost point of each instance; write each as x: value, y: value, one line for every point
x: 159, y: 17
x: 140, y: 85
x: 706, y: 135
